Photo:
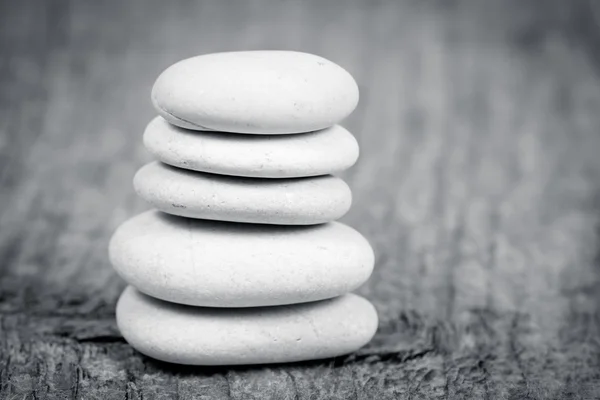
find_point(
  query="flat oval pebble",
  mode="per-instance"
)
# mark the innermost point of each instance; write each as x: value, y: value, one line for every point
x: 221, y: 264
x: 259, y: 92
x: 297, y: 201
x: 208, y: 336
x: 321, y: 152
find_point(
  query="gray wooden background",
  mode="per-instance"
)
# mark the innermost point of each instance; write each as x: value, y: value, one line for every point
x: 478, y: 186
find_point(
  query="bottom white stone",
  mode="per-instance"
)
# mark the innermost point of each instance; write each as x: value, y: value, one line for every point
x: 233, y: 336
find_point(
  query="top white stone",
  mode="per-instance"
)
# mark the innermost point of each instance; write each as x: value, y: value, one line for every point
x: 257, y: 92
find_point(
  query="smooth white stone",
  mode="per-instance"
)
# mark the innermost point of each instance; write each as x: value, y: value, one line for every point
x: 221, y: 264
x: 322, y: 152
x: 208, y: 336
x: 259, y: 92
x: 192, y: 194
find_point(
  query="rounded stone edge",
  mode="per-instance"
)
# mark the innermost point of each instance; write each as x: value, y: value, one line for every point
x: 187, y: 124
x: 183, y: 210
x: 151, y: 289
x: 150, y: 134
x: 149, y: 348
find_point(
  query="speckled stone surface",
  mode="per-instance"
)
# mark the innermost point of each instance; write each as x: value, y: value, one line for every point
x: 298, y: 201
x: 208, y: 336
x: 322, y: 152
x: 220, y: 264
x: 260, y: 92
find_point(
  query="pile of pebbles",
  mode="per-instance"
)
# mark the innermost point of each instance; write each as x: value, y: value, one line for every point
x: 242, y: 261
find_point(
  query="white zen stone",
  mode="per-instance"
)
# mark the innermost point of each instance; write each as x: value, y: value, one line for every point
x: 259, y: 92
x: 221, y: 264
x: 297, y: 201
x: 321, y: 152
x: 207, y: 336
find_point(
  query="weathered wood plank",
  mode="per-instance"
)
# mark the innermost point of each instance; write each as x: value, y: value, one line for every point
x: 478, y: 186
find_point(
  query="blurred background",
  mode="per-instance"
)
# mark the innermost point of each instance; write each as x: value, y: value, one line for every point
x: 478, y: 186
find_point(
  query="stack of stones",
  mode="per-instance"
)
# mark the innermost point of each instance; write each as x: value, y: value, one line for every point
x: 242, y: 263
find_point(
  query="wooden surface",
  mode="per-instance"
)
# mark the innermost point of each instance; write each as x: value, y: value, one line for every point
x: 478, y: 186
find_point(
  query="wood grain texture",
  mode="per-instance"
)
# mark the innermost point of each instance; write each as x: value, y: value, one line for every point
x: 478, y: 186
